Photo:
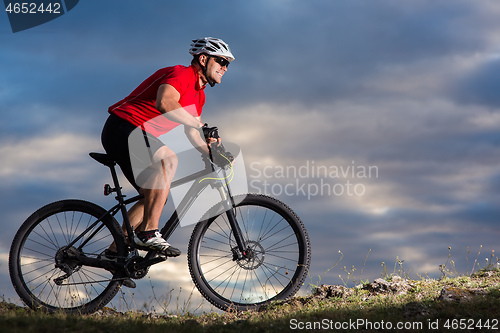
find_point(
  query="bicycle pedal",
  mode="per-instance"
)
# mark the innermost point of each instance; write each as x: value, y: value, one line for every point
x: 129, y: 283
x: 171, y: 252
x: 161, y: 256
x: 168, y: 253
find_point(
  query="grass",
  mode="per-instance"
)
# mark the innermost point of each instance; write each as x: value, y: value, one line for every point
x: 453, y: 300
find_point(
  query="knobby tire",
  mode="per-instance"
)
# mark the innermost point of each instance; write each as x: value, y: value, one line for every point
x: 32, y: 262
x: 276, y: 271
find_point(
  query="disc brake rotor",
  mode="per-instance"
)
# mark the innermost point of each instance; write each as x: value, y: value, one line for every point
x: 254, y: 256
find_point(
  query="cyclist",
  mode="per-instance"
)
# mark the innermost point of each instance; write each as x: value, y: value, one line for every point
x: 178, y: 94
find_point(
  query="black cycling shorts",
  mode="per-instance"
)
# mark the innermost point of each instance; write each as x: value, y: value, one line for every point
x: 115, y: 140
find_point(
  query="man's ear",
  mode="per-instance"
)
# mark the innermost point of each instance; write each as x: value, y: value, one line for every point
x: 203, y: 59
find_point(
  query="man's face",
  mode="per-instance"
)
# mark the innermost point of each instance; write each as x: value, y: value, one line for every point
x: 215, y: 71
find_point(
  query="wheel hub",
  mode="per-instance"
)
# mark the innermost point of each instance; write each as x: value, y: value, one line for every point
x: 66, y: 261
x: 253, y: 257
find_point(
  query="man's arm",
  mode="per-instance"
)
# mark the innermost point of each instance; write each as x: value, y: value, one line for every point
x: 194, y: 136
x: 167, y: 102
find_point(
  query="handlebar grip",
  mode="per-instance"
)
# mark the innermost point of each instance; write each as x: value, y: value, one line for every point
x: 220, y: 155
x: 210, y: 132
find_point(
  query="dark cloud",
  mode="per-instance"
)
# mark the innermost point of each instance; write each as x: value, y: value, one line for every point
x: 303, y: 52
x: 480, y: 86
x: 377, y: 83
x: 323, y: 51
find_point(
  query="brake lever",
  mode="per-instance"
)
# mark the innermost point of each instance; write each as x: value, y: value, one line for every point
x: 210, y: 132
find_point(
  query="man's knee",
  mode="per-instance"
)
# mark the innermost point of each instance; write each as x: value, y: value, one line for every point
x: 171, y: 163
x: 166, y: 158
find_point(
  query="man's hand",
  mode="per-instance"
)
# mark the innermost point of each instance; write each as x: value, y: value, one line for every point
x: 219, y: 154
x: 211, y: 134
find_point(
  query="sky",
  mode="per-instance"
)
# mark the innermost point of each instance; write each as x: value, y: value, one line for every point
x: 378, y: 122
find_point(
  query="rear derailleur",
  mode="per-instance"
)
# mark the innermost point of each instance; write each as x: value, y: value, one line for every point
x: 66, y: 260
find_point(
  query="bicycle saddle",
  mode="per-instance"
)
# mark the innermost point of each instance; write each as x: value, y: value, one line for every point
x: 103, y: 159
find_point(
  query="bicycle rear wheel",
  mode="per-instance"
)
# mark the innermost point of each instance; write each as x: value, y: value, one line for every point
x: 37, y: 259
x: 277, y: 268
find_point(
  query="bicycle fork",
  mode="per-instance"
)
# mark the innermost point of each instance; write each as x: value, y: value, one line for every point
x: 228, y: 205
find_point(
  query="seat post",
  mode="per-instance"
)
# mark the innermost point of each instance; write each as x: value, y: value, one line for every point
x: 116, y: 183
x: 120, y: 197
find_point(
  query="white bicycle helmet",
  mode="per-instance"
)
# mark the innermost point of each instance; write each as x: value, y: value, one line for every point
x: 211, y: 46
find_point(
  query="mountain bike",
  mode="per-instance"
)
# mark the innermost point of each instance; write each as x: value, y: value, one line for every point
x: 245, y: 252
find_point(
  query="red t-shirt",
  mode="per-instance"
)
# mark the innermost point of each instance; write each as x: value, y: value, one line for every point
x: 139, y: 107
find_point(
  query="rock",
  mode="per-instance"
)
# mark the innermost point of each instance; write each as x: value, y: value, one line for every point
x: 397, y: 286
x: 415, y: 310
x: 379, y: 286
x: 327, y: 291
x: 107, y: 312
x: 454, y: 294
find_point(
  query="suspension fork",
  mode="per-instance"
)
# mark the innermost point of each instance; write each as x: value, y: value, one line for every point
x: 228, y: 204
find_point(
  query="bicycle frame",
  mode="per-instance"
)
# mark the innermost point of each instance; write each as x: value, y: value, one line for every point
x: 173, y: 222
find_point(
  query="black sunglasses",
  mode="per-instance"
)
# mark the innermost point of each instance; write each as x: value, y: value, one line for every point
x: 221, y: 61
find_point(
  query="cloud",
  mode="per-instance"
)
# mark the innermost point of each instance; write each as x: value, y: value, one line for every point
x: 40, y: 169
x: 322, y: 51
x: 410, y: 88
x: 480, y: 85
x: 435, y: 160
x: 48, y: 158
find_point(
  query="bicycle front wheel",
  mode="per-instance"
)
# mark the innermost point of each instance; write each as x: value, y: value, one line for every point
x: 40, y: 270
x: 275, y: 270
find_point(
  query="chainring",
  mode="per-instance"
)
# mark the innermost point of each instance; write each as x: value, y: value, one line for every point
x: 133, y: 271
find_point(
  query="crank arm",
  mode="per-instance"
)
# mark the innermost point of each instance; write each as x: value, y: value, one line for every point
x: 98, y: 263
x: 150, y: 262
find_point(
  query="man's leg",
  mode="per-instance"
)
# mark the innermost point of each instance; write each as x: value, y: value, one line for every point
x: 135, y: 215
x: 156, y: 190
x: 145, y: 214
x: 157, y: 187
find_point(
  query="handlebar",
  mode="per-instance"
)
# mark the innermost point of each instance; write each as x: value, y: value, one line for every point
x: 218, y: 154
x: 210, y: 132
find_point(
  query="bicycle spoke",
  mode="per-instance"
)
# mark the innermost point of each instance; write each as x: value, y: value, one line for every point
x: 216, y: 240
x: 39, y: 268
x: 41, y: 259
x: 46, y: 246
x: 48, y: 239
x: 217, y: 258
x: 228, y: 278
x: 217, y: 267
x: 254, y: 279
